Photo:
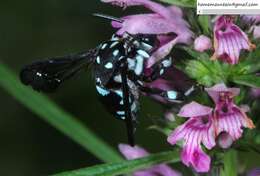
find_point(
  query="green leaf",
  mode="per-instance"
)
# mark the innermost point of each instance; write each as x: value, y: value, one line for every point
x: 252, y: 63
x: 206, y: 72
x: 230, y: 164
x: 204, y: 23
x: 183, y: 3
x: 54, y: 115
x: 124, y: 166
x: 248, y: 80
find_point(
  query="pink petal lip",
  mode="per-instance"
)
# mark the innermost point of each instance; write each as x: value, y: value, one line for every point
x: 196, y: 158
x: 232, y: 122
x: 194, y: 109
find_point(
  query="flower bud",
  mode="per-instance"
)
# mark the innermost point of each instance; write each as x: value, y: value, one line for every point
x: 256, y: 32
x: 202, y: 43
x: 224, y: 140
x: 169, y: 116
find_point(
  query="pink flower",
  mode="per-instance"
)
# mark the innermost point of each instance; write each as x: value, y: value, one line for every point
x: 137, y: 152
x: 255, y: 92
x: 254, y: 172
x: 196, y: 130
x: 202, y: 43
x: 165, y: 22
x: 253, y: 19
x: 229, y: 40
x: 228, y: 117
x: 256, y: 32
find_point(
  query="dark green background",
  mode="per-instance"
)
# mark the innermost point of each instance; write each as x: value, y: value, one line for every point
x: 31, y: 30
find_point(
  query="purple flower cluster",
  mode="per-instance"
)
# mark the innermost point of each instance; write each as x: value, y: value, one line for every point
x: 205, y: 124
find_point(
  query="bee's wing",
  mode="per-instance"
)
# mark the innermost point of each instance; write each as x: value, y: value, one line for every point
x: 47, y: 75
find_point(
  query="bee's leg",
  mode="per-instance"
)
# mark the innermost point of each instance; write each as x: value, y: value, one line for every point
x: 127, y: 107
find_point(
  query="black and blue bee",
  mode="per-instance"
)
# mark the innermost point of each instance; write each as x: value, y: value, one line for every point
x: 119, y: 71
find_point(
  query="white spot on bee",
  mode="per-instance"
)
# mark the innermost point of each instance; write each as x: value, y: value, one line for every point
x: 121, y: 102
x: 167, y: 62
x: 104, y: 46
x: 189, y: 91
x: 143, y: 53
x: 114, y: 37
x: 161, y: 71
x: 146, y: 46
x: 140, y: 82
x: 38, y: 74
x: 133, y: 107
x: 120, y: 112
x: 172, y: 94
x: 121, y: 57
x: 115, y: 53
x: 113, y: 44
x: 131, y: 63
x: 102, y: 91
x: 118, y: 78
x: 98, y: 59
x: 139, y: 65
x: 120, y: 93
x: 58, y: 80
x: 109, y: 65
x: 136, y: 43
x: 98, y: 80
x: 123, y: 117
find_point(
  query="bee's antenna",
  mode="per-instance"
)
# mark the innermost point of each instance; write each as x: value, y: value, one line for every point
x: 108, y: 17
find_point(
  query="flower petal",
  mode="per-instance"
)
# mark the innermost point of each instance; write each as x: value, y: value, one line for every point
x: 201, y: 161
x: 178, y: 134
x: 194, y: 109
x: 132, y: 152
x: 214, y: 92
x: 196, y: 158
x: 155, y: 7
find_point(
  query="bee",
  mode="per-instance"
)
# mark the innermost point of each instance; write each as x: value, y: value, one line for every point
x: 119, y: 72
